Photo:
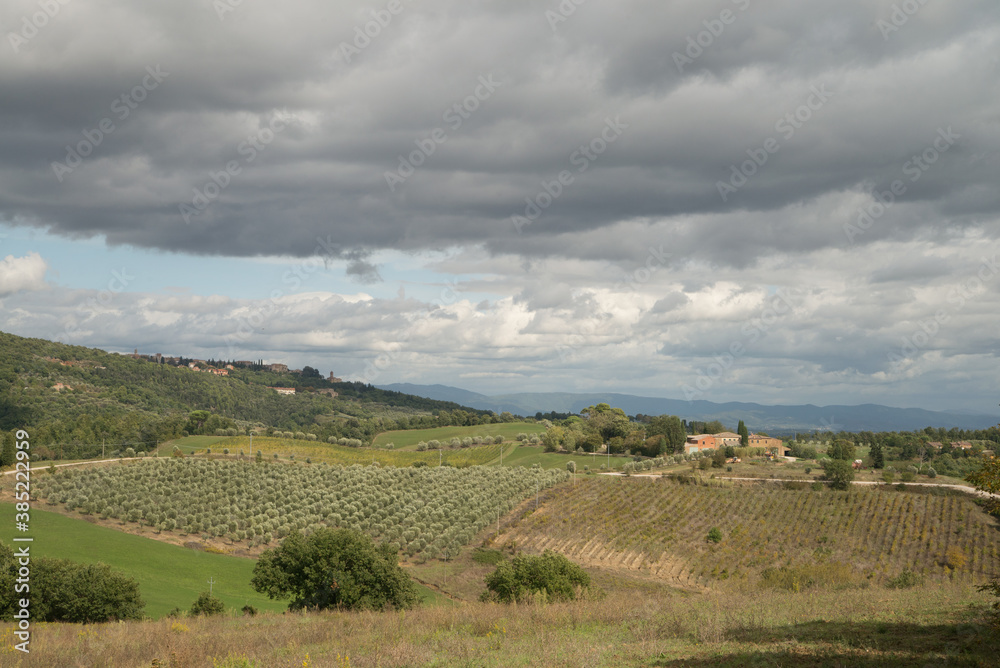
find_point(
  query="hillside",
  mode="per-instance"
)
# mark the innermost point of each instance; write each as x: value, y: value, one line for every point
x: 779, y: 418
x: 658, y: 528
x: 68, y: 395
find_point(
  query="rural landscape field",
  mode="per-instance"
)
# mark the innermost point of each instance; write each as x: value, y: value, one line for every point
x: 561, y: 333
x: 842, y: 548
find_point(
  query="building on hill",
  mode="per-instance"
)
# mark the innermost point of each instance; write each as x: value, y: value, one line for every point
x: 699, y: 442
x: 772, y: 446
x: 283, y: 390
x: 937, y: 445
x: 727, y: 438
x: 277, y: 368
x: 334, y: 379
x: 962, y: 445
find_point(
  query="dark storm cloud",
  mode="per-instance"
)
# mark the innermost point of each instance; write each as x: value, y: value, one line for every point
x: 344, y: 125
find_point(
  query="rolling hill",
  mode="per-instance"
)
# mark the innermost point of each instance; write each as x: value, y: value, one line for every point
x: 778, y: 418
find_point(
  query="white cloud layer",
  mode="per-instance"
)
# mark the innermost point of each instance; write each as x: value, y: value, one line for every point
x: 630, y: 186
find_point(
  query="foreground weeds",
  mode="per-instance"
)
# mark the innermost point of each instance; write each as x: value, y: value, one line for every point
x: 872, y: 627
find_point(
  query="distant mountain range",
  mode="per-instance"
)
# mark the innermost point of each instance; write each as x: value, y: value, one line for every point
x: 777, y: 419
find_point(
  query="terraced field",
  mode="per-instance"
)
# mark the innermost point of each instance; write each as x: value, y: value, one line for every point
x: 659, y: 528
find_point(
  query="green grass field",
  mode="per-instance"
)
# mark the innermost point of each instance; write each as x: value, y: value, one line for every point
x: 526, y: 455
x: 408, y: 439
x: 190, y: 444
x: 346, y: 456
x: 169, y: 576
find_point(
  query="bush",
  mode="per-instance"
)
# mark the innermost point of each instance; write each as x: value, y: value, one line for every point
x: 207, y: 605
x: 908, y: 476
x: 66, y: 591
x: 249, y: 611
x: 714, y: 535
x: 839, y: 472
x: 548, y: 577
x: 334, y: 568
x: 571, y: 467
x: 904, y: 580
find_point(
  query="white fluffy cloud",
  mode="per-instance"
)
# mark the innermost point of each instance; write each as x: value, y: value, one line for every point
x: 22, y: 273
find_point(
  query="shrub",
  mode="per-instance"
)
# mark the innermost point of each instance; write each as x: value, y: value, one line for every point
x: 249, y: 611
x: 714, y: 535
x: 334, y: 568
x: 904, y: 580
x: 548, y: 577
x: 954, y: 558
x: 839, y: 472
x: 207, y: 605
x: 225, y: 451
x: 66, y: 591
x: 908, y: 476
x: 931, y: 473
x: 571, y: 467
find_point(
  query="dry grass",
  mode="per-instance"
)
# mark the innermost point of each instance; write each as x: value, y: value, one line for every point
x: 875, y: 627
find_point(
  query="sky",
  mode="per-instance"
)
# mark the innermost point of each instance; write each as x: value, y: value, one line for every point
x: 729, y: 200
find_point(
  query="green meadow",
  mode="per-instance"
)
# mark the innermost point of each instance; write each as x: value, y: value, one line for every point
x: 409, y: 438
x: 169, y: 576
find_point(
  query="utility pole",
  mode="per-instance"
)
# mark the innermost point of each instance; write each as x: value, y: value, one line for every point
x: 211, y: 583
